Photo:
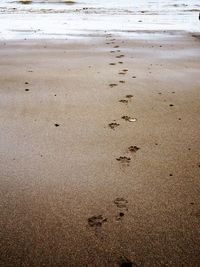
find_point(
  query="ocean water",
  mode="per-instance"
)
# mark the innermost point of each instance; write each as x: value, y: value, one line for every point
x: 60, y: 19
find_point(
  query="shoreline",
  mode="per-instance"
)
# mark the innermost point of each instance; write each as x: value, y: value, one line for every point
x: 83, y: 182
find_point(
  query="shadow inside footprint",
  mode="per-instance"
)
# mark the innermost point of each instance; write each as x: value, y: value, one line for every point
x: 96, y: 221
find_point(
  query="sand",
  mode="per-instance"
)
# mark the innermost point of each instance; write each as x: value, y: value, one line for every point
x: 100, y: 162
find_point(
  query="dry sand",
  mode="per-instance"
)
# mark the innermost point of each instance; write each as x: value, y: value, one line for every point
x: 82, y: 186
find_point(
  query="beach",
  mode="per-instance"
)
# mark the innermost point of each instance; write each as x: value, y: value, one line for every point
x: 100, y: 149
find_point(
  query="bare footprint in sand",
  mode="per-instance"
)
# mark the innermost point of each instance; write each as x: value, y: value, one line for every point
x: 122, y: 73
x: 96, y: 221
x: 124, y: 159
x: 123, y: 101
x: 133, y: 149
x: 128, y: 118
x: 196, y: 214
x: 112, y: 85
x: 124, y: 262
x: 113, y: 125
x: 129, y: 96
x: 121, y: 202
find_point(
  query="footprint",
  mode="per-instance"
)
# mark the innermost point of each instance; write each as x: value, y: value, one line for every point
x: 56, y: 124
x: 113, y: 125
x: 26, y: 89
x: 112, y: 85
x: 120, y: 62
x: 122, y: 81
x: 120, y: 56
x: 125, y: 70
x: 127, y: 118
x: 129, y: 96
x: 96, y: 221
x: 117, y: 46
x: 121, y: 203
x: 112, y: 64
x: 134, y: 77
x: 122, y: 73
x: 124, y: 262
x: 123, y: 101
x: 124, y: 159
x: 133, y: 149
x: 196, y: 214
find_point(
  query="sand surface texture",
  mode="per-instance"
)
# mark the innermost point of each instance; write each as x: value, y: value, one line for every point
x: 99, y: 152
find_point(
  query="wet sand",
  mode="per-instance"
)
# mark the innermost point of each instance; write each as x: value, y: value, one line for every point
x: 99, y: 152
